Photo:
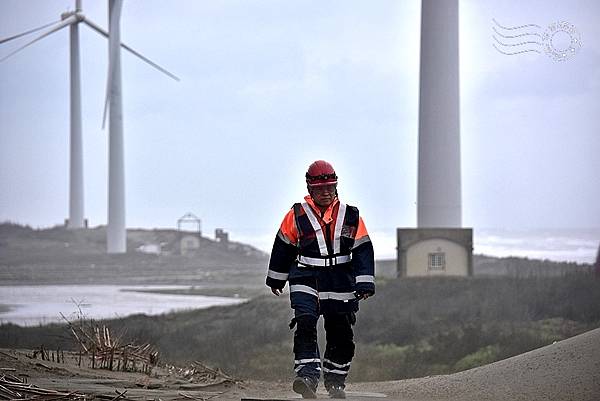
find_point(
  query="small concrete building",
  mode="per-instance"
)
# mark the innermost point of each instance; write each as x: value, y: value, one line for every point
x: 435, y: 252
x: 221, y: 236
x: 189, y: 244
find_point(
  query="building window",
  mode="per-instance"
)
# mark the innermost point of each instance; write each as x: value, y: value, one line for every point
x: 437, y: 261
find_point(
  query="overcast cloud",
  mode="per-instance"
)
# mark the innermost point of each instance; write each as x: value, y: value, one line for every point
x: 269, y: 86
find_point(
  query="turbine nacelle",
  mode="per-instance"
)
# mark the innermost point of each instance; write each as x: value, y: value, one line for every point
x: 77, y: 13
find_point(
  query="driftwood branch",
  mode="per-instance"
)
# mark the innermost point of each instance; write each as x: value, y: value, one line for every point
x: 12, y: 388
x: 106, y: 351
x: 8, y: 355
x: 120, y: 395
x: 215, y: 372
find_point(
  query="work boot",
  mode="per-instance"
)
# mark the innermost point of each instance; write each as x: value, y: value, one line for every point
x: 336, y: 391
x: 305, y: 386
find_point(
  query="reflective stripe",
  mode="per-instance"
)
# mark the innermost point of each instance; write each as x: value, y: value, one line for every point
x: 317, y: 227
x: 365, y: 279
x: 336, y: 371
x: 277, y: 276
x: 297, y: 361
x: 339, y: 222
x: 337, y: 365
x: 361, y: 241
x: 303, y: 288
x: 336, y: 260
x: 299, y: 368
x: 338, y: 296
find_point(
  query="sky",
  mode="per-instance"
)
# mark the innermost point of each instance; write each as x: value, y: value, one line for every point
x: 269, y: 86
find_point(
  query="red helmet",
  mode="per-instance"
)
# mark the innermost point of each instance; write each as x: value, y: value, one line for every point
x: 320, y: 173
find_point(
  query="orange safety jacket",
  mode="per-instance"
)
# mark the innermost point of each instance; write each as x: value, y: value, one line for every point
x: 328, y: 255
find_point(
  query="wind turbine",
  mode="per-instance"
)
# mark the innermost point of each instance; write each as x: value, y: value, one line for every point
x: 116, y: 233
x: 439, y: 181
x: 439, y: 245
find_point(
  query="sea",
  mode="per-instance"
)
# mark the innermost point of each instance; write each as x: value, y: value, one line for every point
x: 555, y: 244
x: 560, y: 245
x: 32, y: 305
x: 579, y: 245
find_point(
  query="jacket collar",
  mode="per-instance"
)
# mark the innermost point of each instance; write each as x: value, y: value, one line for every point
x: 328, y: 215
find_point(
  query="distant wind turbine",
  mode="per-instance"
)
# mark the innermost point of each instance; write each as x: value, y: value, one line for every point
x: 439, y: 202
x: 116, y: 234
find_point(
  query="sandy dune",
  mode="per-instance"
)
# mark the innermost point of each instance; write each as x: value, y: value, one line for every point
x: 566, y: 370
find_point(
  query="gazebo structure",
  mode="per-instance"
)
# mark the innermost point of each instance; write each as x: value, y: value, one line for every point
x: 189, y: 227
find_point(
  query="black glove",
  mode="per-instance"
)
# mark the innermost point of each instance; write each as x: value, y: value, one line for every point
x: 364, y: 293
x: 365, y: 288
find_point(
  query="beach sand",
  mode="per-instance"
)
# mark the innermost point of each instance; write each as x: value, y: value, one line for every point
x: 566, y: 370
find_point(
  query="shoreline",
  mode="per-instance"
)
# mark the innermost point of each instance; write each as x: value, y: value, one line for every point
x: 195, y: 290
x: 225, y: 281
x: 5, y: 308
x: 29, y: 306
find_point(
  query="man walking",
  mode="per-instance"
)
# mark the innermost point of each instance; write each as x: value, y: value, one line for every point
x: 323, y: 249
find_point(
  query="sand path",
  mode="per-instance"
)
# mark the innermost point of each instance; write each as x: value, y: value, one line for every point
x: 566, y: 370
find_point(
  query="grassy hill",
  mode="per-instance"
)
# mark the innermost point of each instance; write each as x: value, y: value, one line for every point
x: 60, y: 256
x: 411, y: 328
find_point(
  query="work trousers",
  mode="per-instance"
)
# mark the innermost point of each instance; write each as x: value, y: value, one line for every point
x: 339, y: 349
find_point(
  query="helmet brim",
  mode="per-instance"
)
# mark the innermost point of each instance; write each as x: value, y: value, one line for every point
x: 321, y: 183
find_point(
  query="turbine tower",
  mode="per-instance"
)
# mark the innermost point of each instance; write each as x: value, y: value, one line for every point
x: 439, y: 183
x: 116, y: 233
x: 438, y: 246
x: 116, y: 237
x: 71, y: 19
x: 76, y: 211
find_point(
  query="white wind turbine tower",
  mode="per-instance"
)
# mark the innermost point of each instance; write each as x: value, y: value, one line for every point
x: 116, y: 234
x: 439, y: 181
x: 439, y: 245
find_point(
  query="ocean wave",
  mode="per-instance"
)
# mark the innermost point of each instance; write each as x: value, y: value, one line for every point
x: 560, y: 245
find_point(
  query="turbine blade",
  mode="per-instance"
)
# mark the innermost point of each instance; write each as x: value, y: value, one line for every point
x: 107, y: 95
x: 28, y: 32
x: 67, y: 22
x: 106, y: 100
x: 123, y: 45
